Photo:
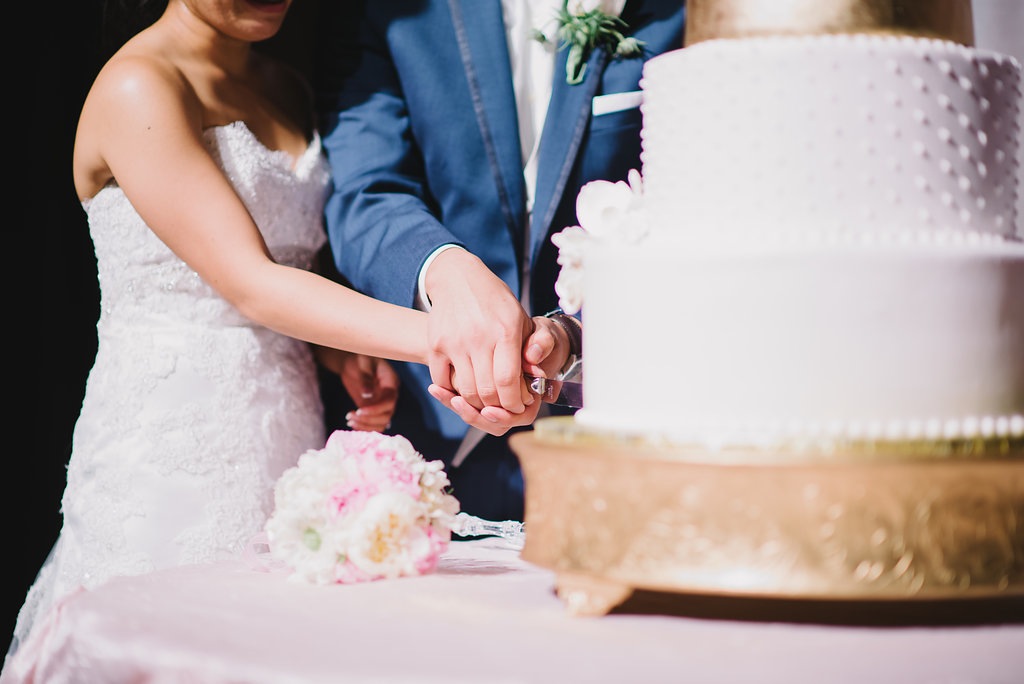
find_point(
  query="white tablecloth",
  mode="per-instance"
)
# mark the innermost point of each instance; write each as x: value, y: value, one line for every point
x: 488, y: 616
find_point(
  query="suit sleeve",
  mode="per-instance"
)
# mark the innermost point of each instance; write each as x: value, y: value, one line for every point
x: 380, y: 217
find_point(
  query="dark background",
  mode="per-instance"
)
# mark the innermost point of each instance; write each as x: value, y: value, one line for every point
x: 53, y: 346
x: 52, y: 289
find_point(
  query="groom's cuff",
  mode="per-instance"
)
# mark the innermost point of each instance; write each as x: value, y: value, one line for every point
x: 422, y: 301
x: 574, y: 331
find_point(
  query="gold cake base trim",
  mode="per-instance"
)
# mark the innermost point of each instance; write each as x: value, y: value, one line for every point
x: 613, y: 516
x: 941, y: 19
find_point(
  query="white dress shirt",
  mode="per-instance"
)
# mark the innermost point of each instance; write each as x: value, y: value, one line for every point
x: 533, y: 64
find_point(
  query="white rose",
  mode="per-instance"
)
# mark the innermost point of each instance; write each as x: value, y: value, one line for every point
x: 569, y: 285
x: 569, y: 288
x: 605, y: 208
x: 607, y: 211
x: 389, y: 536
x: 612, y: 8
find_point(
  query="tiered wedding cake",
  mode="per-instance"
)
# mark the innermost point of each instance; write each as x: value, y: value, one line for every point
x: 828, y: 247
x: 803, y: 320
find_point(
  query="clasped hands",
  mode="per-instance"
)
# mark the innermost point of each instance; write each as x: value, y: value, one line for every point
x: 482, y: 343
x: 469, y: 399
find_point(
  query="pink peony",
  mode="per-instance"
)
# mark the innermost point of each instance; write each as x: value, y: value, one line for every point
x: 365, y: 507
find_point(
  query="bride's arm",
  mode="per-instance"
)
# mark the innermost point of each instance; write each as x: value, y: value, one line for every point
x: 148, y: 132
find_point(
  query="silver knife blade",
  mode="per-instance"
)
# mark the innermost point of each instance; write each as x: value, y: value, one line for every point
x: 560, y: 392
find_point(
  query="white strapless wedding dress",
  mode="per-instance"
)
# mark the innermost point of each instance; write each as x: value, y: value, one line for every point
x: 191, y: 412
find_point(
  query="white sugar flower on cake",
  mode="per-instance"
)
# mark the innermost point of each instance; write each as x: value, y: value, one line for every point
x: 365, y: 507
x: 607, y: 211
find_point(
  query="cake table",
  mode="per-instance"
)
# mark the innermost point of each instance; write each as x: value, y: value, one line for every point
x: 487, y: 615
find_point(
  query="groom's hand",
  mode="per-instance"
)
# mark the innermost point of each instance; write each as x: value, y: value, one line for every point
x: 491, y: 419
x: 476, y: 328
x: 371, y: 383
x: 546, y: 350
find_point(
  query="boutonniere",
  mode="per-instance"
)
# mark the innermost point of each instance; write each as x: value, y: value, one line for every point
x: 584, y: 25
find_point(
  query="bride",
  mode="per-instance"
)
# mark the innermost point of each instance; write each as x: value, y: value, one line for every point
x: 200, y: 170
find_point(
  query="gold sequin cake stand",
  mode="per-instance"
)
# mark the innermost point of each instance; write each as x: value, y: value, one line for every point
x: 613, y: 515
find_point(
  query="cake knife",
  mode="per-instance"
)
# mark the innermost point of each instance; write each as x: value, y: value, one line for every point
x: 565, y: 392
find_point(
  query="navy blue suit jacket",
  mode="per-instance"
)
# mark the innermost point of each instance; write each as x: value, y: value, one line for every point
x: 420, y: 129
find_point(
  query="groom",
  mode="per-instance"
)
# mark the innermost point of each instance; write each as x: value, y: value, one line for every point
x: 458, y: 142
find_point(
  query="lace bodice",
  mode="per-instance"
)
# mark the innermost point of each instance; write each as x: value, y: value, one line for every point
x: 141, y: 277
x: 191, y: 411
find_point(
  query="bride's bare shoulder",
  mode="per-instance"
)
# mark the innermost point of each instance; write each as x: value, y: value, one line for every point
x: 136, y: 89
x: 136, y: 74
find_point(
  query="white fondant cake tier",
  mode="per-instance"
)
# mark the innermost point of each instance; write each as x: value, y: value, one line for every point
x: 844, y: 133
x: 745, y: 345
x: 830, y: 248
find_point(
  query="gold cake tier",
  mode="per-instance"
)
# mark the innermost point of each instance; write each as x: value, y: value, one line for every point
x: 944, y: 19
x: 612, y: 516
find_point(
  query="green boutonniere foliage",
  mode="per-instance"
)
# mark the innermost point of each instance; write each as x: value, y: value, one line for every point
x: 589, y: 30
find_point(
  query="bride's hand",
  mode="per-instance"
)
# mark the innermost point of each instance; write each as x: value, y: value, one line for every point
x: 491, y: 419
x: 371, y: 382
x: 476, y: 327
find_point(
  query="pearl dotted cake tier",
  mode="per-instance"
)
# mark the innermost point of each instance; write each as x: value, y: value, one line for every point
x: 749, y: 345
x: 786, y: 137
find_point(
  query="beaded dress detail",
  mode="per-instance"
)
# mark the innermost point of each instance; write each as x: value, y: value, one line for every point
x: 191, y: 412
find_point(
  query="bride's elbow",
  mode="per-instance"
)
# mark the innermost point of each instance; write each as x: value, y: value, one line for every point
x: 249, y: 308
x: 262, y: 294
x: 247, y: 297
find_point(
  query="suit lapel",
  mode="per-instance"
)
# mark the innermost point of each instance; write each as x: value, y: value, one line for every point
x: 480, y: 31
x: 564, y: 125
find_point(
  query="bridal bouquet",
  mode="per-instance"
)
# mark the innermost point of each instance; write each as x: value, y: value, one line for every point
x: 365, y: 507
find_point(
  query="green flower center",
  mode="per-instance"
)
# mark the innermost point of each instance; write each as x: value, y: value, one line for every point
x: 311, y: 539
